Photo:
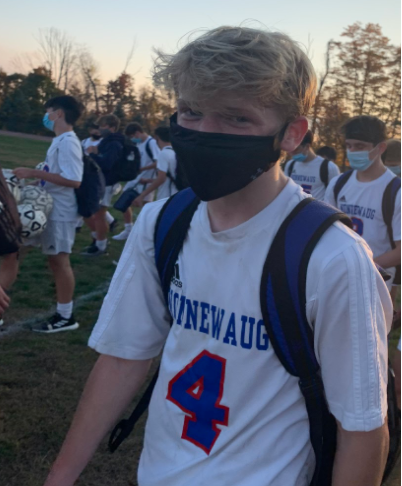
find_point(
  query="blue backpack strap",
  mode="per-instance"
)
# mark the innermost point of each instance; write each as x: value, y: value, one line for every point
x: 283, y: 305
x: 171, y: 229
x: 342, y: 180
x: 388, y: 209
x: 170, y: 232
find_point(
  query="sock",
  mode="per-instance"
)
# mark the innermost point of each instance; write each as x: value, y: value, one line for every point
x: 128, y: 227
x: 65, y: 310
x: 101, y: 244
x: 109, y: 218
x: 93, y: 234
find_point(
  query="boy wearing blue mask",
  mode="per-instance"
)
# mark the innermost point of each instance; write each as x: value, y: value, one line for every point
x: 392, y: 157
x: 61, y: 174
x: 360, y: 192
x: 225, y: 410
x: 309, y: 170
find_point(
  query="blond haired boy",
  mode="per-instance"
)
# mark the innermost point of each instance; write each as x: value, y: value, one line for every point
x: 237, y: 89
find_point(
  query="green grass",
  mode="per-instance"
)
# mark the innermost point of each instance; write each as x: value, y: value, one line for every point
x: 42, y: 376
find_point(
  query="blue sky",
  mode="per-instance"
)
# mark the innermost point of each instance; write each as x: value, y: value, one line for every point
x: 108, y: 28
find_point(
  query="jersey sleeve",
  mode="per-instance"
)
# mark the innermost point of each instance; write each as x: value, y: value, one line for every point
x: 396, y: 220
x: 70, y: 159
x: 134, y: 321
x: 329, y: 197
x: 333, y: 170
x: 350, y: 310
x: 153, y: 146
x: 163, y: 162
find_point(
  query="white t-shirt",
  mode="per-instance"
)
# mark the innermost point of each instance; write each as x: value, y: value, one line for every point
x: 88, y: 142
x: 167, y: 163
x: 261, y: 433
x: 362, y: 201
x: 307, y: 175
x: 64, y: 157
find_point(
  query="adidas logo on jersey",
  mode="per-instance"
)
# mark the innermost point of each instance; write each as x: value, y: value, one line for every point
x: 176, y: 276
x: 342, y: 199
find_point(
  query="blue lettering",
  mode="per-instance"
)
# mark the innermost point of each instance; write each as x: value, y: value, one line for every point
x: 204, y: 327
x: 262, y: 337
x: 181, y: 309
x: 216, y: 322
x: 170, y: 302
x: 191, y: 314
x: 244, y: 344
x: 175, y: 299
x: 231, y: 331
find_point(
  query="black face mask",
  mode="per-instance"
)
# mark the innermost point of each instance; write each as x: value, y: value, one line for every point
x: 95, y: 137
x: 104, y: 132
x: 218, y: 164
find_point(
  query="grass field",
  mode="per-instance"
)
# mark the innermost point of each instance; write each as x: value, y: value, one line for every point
x: 42, y: 376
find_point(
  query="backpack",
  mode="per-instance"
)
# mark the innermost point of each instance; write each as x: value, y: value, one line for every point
x: 10, y: 225
x: 179, y: 179
x: 283, y: 303
x: 92, y: 188
x: 388, y: 208
x: 127, y: 167
x: 323, y: 171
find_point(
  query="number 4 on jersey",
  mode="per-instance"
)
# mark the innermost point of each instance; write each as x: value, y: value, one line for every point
x: 198, y: 390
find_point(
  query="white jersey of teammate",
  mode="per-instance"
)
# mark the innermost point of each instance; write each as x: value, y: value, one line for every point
x: 307, y: 175
x: 362, y: 201
x: 167, y: 163
x: 245, y: 422
x: 64, y: 157
x: 89, y: 142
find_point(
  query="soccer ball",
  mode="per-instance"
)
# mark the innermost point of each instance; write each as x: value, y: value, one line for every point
x: 33, y: 221
x: 14, y: 189
x: 38, y: 198
x: 10, y: 176
x: 40, y: 166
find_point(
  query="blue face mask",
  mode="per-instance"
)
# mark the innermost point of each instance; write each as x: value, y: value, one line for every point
x: 136, y: 140
x: 299, y: 157
x: 47, y: 123
x: 396, y: 169
x: 359, y: 160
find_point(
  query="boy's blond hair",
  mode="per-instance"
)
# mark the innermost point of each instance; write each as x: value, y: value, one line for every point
x: 267, y: 67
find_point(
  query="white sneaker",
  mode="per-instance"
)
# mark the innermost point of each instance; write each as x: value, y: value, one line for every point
x: 123, y: 235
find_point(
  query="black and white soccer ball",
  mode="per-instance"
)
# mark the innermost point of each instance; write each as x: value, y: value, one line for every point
x: 40, y: 166
x: 14, y: 189
x: 33, y: 221
x: 38, y: 197
x: 10, y: 176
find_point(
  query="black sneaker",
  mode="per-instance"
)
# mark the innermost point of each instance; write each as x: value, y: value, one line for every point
x: 113, y: 225
x: 93, y: 250
x: 57, y: 324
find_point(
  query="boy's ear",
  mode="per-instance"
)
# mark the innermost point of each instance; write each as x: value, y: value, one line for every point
x: 294, y: 134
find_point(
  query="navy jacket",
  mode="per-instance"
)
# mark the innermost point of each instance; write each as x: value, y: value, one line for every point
x: 110, y: 150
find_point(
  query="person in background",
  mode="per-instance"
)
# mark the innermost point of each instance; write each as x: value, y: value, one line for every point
x: 149, y: 151
x: 61, y: 175
x: 392, y: 156
x: 94, y: 140
x: 361, y: 195
x: 105, y: 155
x: 327, y: 152
x: 166, y: 166
x: 309, y: 170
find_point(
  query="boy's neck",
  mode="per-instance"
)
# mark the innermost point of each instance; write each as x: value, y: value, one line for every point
x: 310, y: 156
x: 376, y: 170
x: 237, y: 208
x: 62, y: 127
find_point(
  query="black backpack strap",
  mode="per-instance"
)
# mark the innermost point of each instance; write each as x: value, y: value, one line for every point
x: 148, y: 149
x: 283, y: 304
x: 291, y: 167
x: 388, y: 209
x: 170, y: 232
x: 324, y: 175
x: 339, y: 184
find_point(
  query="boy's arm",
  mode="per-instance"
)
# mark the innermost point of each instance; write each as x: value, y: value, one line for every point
x: 160, y: 179
x: 110, y: 388
x: 391, y: 258
x: 148, y: 167
x: 360, y: 457
x: 23, y: 173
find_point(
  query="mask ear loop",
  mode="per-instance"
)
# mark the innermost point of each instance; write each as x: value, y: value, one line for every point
x: 278, y: 139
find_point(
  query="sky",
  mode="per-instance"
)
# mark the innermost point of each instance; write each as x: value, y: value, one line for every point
x: 108, y: 28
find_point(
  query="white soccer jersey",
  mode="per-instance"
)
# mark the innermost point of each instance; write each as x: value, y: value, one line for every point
x: 64, y: 157
x: 307, y: 175
x: 224, y: 410
x: 362, y: 201
x: 167, y: 163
